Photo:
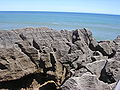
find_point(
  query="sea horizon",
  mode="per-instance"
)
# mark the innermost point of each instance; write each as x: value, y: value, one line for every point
x: 103, y: 26
x: 66, y: 12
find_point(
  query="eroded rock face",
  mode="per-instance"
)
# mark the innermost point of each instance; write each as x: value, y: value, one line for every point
x: 42, y: 58
x: 85, y: 82
x: 29, y: 53
x: 111, y: 71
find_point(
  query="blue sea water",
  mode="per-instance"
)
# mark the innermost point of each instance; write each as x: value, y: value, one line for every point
x: 103, y: 26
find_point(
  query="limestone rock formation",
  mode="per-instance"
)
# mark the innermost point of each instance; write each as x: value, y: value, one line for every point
x: 47, y: 59
x: 86, y: 82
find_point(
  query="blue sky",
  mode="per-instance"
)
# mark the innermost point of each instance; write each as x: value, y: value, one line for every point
x: 89, y: 6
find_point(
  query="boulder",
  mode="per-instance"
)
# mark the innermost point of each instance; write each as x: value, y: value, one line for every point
x: 111, y: 71
x: 85, y: 82
x: 96, y: 67
x: 107, y: 48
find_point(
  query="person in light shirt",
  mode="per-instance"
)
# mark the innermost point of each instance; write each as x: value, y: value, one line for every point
x: 118, y: 86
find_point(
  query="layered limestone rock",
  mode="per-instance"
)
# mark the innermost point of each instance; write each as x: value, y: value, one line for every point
x: 47, y: 59
x: 86, y: 82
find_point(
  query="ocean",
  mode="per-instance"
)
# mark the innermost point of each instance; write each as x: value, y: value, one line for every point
x: 103, y: 26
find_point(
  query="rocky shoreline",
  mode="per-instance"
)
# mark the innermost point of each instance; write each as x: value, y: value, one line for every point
x: 47, y: 59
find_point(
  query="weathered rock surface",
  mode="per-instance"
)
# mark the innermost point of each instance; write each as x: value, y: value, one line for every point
x: 86, y: 82
x: 46, y: 59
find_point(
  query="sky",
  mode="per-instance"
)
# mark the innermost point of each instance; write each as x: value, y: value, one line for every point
x: 87, y: 6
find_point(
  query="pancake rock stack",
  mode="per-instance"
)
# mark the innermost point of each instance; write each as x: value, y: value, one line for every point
x: 47, y: 59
